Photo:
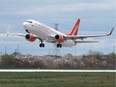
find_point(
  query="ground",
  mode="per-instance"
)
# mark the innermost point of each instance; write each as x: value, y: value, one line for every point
x: 37, y: 79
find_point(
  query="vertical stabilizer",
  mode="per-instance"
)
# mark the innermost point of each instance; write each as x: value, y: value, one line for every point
x: 74, y: 31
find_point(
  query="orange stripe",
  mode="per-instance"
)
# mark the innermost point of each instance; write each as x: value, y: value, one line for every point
x: 75, y: 28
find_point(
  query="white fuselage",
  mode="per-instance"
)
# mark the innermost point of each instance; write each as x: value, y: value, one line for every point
x: 45, y: 32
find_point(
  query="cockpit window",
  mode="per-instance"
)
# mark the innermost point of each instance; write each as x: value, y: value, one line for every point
x: 29, y: 21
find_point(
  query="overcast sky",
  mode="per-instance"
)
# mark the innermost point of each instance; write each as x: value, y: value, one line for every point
x: 97, y: 17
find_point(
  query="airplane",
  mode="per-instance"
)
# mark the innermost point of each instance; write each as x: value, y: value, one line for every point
x: 37, y: 30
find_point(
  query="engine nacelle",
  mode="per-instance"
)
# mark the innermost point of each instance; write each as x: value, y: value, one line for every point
x: 60, y: 38
x: 30, y: 37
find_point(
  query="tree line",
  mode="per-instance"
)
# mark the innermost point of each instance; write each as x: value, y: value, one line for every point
x: 93, y: 60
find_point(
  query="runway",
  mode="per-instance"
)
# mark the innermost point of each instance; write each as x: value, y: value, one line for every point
x: 52, y: 70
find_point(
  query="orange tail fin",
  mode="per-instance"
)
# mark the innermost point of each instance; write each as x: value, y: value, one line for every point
x: 74, y: 31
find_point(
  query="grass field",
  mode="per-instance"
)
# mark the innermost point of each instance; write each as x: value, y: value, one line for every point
x: 80, y: 79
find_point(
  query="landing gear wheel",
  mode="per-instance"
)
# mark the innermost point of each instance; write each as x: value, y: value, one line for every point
x: 59, y: 45
x: 41, y: 45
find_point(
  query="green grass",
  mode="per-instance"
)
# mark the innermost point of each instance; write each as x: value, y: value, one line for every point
x: 57, y: 79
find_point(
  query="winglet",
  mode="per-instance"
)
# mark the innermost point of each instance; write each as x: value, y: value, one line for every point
x: 110, y: 32
x: 7, y: 32
x: 8, y: 29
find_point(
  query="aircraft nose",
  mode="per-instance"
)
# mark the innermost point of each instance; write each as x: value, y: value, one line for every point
x: 25, y: 23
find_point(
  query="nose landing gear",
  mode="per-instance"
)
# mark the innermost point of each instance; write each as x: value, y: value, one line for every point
x: 27, y: 31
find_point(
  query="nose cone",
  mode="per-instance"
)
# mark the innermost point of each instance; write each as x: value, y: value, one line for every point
x: 25, y: 23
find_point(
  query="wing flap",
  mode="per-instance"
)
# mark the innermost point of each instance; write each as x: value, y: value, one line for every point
x: 86, y: 41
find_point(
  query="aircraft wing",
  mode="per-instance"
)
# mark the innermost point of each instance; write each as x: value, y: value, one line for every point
x: 16, y: 34
x: 2, y: 35
x: 22, y: 35
x: 88, y: 36
x: 12, y: 34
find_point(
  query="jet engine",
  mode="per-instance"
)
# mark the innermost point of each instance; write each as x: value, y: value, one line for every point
x: 60, y: 38
x: 30, y: 37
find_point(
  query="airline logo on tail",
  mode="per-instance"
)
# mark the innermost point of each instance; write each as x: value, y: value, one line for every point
x: 74, y: 31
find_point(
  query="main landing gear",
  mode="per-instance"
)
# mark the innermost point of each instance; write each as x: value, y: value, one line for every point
x: 42, y: 45
x: 59, y: 45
